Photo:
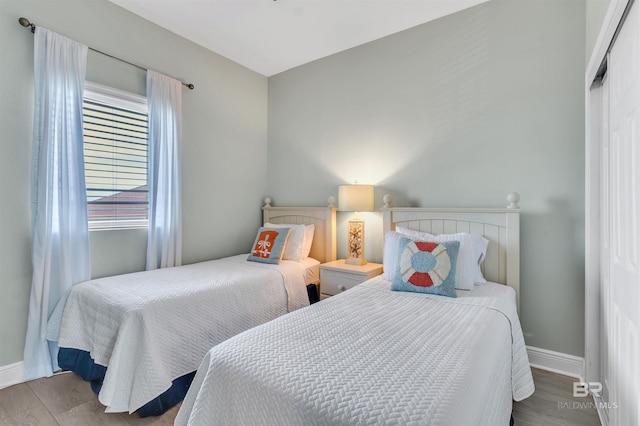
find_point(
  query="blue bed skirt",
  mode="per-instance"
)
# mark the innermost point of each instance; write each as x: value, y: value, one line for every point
x: 81, y: 363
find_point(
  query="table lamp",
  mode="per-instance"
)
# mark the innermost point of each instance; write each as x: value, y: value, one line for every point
x: 355, y: 198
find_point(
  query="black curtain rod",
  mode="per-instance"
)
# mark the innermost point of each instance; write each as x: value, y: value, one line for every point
x: 26, y: 23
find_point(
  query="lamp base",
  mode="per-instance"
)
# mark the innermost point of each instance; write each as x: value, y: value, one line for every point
x: 355, y: 240
x: 355, y: 261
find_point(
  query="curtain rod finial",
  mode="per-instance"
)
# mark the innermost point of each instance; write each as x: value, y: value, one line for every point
x: 25, y: 23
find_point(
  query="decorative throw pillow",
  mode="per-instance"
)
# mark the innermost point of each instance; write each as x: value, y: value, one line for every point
x: 468, y: 267
x: 269, y: 245
x: 426, y: 267
x: 390, y: 254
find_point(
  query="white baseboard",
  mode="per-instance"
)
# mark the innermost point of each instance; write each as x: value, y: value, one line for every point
x: 11, y: 374
x: 556, y: 362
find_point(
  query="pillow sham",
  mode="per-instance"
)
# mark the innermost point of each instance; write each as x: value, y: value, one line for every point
x: 426, y: 267
x: 294, y: 247
x: 268, y: 246
x: 481, y: 244
x: 309, y: 231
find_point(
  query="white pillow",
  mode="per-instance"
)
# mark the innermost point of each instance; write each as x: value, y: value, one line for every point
x: 293, y: 249
x: 390, y: 255
x: 480, y: 243
x: 309, y: 230
x: 467, y: 266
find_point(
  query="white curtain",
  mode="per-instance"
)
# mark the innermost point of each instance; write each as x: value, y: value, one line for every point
x: 164, y: 98
x: 60, y: 247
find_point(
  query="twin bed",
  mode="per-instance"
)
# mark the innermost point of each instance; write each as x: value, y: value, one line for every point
x: 138, y: 338
x: 378, y: 356
x: 368, y: 355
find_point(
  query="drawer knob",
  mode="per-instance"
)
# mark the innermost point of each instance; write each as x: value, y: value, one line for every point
x: 342, y: 287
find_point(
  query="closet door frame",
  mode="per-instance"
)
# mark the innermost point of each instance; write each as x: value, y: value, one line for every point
x: 593, y: 134
x: 595, y: 366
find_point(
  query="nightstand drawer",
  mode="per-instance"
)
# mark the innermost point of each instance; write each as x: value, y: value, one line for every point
x: 336, y: 276
x: 334, y: 282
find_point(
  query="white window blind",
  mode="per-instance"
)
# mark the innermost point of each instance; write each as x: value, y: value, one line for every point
x: 115, y: 157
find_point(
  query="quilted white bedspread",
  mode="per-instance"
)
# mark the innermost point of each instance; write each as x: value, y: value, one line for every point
x: 152, y: 327
x: 374, y: 357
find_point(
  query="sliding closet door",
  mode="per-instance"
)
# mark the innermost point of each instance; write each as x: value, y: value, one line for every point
x: 623, y: 306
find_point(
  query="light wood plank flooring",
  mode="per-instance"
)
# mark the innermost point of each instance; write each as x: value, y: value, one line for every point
x: 66, y: 400
x: 553, y: 404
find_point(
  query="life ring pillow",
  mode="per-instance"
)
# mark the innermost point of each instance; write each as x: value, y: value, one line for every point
x: 425, y: 264
x: 426, y: 267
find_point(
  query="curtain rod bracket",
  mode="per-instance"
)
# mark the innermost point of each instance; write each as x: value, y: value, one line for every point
x: 28, y: 24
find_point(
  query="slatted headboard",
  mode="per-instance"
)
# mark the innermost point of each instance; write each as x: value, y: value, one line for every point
x: 324, y: 219
x: 500, y: 226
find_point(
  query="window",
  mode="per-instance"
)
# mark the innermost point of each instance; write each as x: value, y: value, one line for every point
x: 115, y: 157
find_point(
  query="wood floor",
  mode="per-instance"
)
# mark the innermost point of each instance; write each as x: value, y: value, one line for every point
x: 553, y: 404
x: 66, y: 400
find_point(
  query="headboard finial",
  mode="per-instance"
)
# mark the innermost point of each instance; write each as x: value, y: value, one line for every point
x: 331, y: 201
x: 267, y: 203
x: 513, y: 198
x: 387, y: 199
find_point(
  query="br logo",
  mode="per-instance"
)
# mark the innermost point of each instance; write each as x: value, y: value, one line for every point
x: 582, y: 389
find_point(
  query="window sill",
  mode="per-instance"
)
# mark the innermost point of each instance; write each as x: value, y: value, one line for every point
x: 108, y: 225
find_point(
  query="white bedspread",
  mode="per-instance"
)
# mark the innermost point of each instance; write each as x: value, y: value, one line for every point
x: 152, y: 327
x: 373, y: 356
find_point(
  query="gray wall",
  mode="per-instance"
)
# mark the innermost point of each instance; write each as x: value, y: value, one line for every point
x: 224, y: 150
x: 456, y: 112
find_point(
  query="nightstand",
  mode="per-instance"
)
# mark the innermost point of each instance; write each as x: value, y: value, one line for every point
x: 337, y: 276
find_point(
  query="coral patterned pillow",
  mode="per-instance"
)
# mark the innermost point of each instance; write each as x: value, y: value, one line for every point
x: 426, y: 267
x: 268, y: 246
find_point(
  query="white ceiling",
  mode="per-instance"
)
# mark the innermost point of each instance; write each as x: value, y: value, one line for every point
x: 270, y: 36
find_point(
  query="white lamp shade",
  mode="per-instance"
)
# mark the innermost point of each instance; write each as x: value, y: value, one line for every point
x: 355, y: 198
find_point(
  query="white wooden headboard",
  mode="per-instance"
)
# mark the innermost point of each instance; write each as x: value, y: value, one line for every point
x: 500, y: 226
x: 324, y: 219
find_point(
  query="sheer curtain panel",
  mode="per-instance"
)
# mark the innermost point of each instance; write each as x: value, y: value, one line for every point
x: 60, y: 246
x: 164, y: 99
